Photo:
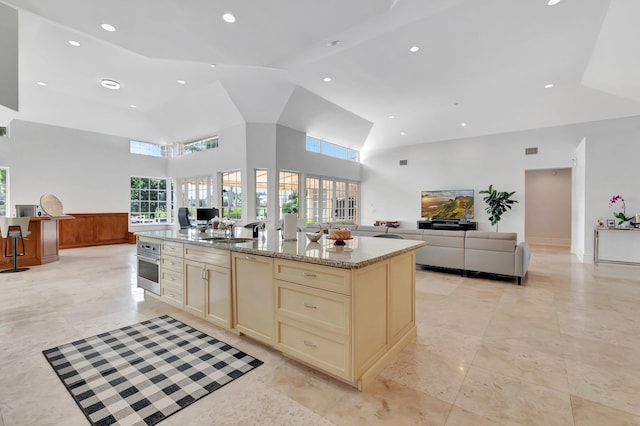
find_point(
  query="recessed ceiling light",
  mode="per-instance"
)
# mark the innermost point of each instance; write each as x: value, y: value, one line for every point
x: 553, y: 2
x: 133, y: 106
x: 327, y: 79
x: 402, y: 133
x: 548, y: 86
x: 108, y: 27
x: 463, y: 124
x: 41, y: 83
x: 414, y: 49
x: 181, y: 82
x: 74, y: 43
x: 391, y: 116
x: 212, y: 65
x: 110, y: 84
x: 228, y: 17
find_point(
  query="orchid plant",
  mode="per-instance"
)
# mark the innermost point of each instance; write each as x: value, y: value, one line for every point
x: 621, y: 216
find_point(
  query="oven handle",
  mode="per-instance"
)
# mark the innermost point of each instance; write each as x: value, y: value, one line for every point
x: 150, y: 260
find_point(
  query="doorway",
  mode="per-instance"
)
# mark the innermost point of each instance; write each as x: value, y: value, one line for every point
x: 548, y: 207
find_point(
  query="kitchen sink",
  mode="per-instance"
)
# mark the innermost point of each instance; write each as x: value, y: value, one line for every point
x: 229, y: 240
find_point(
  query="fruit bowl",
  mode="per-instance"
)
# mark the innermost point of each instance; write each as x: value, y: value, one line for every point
x: 314, y: 237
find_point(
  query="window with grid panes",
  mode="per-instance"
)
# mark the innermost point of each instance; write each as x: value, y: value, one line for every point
x: 288, y: 192
x: 150, y: 200
x: 231, y: 195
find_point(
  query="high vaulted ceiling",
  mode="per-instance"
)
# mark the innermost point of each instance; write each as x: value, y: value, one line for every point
x: 482, y: 62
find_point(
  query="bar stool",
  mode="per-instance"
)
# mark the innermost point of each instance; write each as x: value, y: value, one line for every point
x: 14, y: 228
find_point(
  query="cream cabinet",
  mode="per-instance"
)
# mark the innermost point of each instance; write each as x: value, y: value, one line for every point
x: 314, y: 326
x: 313, y: 315
x: 207, y: 289
x: 172, y: 273
x: 349, y: 323
x: 253, y: 296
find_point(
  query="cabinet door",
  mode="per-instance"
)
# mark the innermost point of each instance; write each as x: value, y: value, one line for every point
x: 402, y: 302
x: 194, y: 288
x: 254, y: 301
x: 218, y: 283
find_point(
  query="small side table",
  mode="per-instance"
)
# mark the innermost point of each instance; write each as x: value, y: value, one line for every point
x: 596, y: 246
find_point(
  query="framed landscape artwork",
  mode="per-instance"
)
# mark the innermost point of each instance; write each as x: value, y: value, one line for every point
x: 447, y: 204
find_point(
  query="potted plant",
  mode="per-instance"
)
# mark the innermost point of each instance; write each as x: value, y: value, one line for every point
x: 498, y: 203
x: 621, y: 216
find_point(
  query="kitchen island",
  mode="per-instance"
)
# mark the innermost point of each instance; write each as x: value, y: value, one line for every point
x: 344, y: 310
x: 41, y: 246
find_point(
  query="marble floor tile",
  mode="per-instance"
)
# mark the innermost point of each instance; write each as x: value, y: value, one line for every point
x: 460, y: 417
x: 448, y: 343
x: 561, y: 349
x: 589, y: 413
x: 618, y: 388
x: 510, y: 400
x: 523, y: 361
x: 437, y: 375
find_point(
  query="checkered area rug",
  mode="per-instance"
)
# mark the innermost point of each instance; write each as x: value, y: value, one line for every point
x: 143, y: 373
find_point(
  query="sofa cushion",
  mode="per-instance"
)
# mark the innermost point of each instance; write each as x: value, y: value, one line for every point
x: 491, y: 241
x: 445, y: 249
x: 438, y: 238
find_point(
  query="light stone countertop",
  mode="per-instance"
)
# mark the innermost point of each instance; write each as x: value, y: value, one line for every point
x: 357, y: 253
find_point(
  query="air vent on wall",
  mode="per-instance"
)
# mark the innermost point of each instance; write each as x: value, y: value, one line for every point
x: 531, y: 151
x: 403, y: 162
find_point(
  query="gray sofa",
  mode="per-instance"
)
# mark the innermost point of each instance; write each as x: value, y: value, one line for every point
x: 496, y: 253
x: 445, y: 249
x: 492, y: 252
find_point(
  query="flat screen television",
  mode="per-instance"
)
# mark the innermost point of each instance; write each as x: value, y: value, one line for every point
x: 207, y: 214
x: 447, y: 204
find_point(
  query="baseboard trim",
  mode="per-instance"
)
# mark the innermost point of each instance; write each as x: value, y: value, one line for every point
x: 544, y: 241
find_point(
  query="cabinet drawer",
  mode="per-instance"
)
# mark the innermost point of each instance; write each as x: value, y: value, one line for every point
x: 328, y: 352
x: 317, y: 276
x: 172, y: 277
x: 209, y: 255
x: 171, y: 263
x: 328, y: 310
x: 171, y: 248
x: 172, y: 294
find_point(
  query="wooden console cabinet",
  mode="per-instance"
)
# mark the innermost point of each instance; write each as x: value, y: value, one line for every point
x: 94, y: 229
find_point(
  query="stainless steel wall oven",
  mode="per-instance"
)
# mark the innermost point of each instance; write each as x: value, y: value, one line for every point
x: 149, y: 266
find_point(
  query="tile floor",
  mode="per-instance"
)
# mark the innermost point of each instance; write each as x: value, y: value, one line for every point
x: 563, y: 349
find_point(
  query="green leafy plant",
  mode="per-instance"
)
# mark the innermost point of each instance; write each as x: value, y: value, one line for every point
x: 498, y: 203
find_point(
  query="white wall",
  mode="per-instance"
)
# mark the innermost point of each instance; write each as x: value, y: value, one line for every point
x: 606, y: 159
x: 392, y: 192
x: 548, y: 207
x: 88, y: 172
x: 261, y: 154
x: 230, y: 155
x: 611, y: 169
x: 291, y: 154
x: 578, y: 206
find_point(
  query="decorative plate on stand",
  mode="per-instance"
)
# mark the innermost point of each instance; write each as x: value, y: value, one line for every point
x: 339, y: 241
x: 51, y: 205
